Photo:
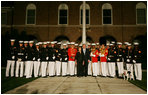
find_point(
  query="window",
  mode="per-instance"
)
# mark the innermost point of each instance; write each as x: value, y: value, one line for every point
x: 4, y: 18
x: 31, y: 14
x: 141, y: 13
x: 87, y: 14
x: 63, y: 14
x: 107, y: 13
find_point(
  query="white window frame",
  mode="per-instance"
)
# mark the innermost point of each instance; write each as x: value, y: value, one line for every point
x: 81, y: 8
x: 107, y: 6
x: 141, y: 5
x: 30, y: 6
x: 63, y: 6
x: 6, y: 17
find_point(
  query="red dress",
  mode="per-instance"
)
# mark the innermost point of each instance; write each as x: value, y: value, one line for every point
x: 72, y: 53
x: 95, y: 59
x: 104, y: 59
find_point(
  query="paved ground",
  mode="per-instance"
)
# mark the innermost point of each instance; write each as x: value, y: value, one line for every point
x: 75, y: 85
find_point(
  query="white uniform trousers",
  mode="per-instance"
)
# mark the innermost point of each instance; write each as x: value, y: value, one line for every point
x: 68, y: 72
x: 95, y: 68
x: 19, y: 66
x: 64, y: 68
x: 111, y: 68
x: 25, y: 69
x: 29, y: 68
x: 10, y: 63
x: 103, y: 67
x: 51, y: 68
x: 138, y: 71
x: 107, y: 69
x: 44, y: 67
x: 36, y: 65
x: 47, y: 70
x: 130, y: 68
x: 90, y: 68
x: 75, y: 69
x: 120, y: 68
x: 58, y: 68
x: 99, y: 67
x: 71, y: 67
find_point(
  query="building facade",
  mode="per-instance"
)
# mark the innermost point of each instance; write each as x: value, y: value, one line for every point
x: 62, y: 20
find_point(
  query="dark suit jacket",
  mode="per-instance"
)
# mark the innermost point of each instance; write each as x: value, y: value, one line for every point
x: 86, y: 56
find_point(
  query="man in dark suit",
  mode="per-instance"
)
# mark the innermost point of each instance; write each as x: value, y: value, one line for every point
x: 86, y: 57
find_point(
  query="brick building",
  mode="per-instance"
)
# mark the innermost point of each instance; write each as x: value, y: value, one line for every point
x: 61, y: 20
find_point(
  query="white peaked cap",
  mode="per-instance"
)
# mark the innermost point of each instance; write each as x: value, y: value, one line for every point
x: 108, y: 44
x: 119, y: 43
x: 72, y: 43
x: 136, y: 43
x: 44, y: 43
x: 76, y: 44
x: 20, y: 42
x: 129, y: 44
x: 93, y: 44
x: 12, y: 40
x: 31, y: 41
x: 80, y: 45
x: 48, y: 42
x: 97, y: 43
x: 88, y: 44
x: 37, y: 44
x: 55, y: 41
x: 59, y: 43
x: 52, y: 42
x: 126, y: 43
x: 64, y: 44
x: 111, y: 44
x: 26, y: 42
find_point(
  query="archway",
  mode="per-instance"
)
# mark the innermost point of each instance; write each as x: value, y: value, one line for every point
x: 61, y: 38
x: 104, y: 39
x: 88, y: 39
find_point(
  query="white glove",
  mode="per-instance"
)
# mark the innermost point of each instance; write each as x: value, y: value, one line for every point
x: 128, y: 60
x: 108, y: 58
x: 39, y: 59
x: 65, y: 58
x: 94, y: 55
x: 47, y: 58
x: 33, y: 58
x: 19, y: 59
x: 26, y: 57
x: 134, y: 61
x: 53, y: 57
x: 13, y: 57
x: 102, y: 55
x: 118, y: 59
x: 60, y: 59
x: 91, y: 54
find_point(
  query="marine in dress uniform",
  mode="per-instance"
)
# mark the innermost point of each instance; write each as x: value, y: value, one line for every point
x: 52, y: 57
x: 94, y: 58
x: 89, y: 63
x: 37, y: 61
x: 71, y: 60
x: 25, y: 49
x: 48, y: 47
x: 29, y: 55
x: 99, y: 64
x: 137, y: 60
x: 20, y: 60
x: 111, y: 59
x: 58, y: 60
x: 129, y: 60
x: 119, y: 59
x: 44, y: 59
x: 103, y: 60
x: 64, y: 56
x: 11, y: 58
